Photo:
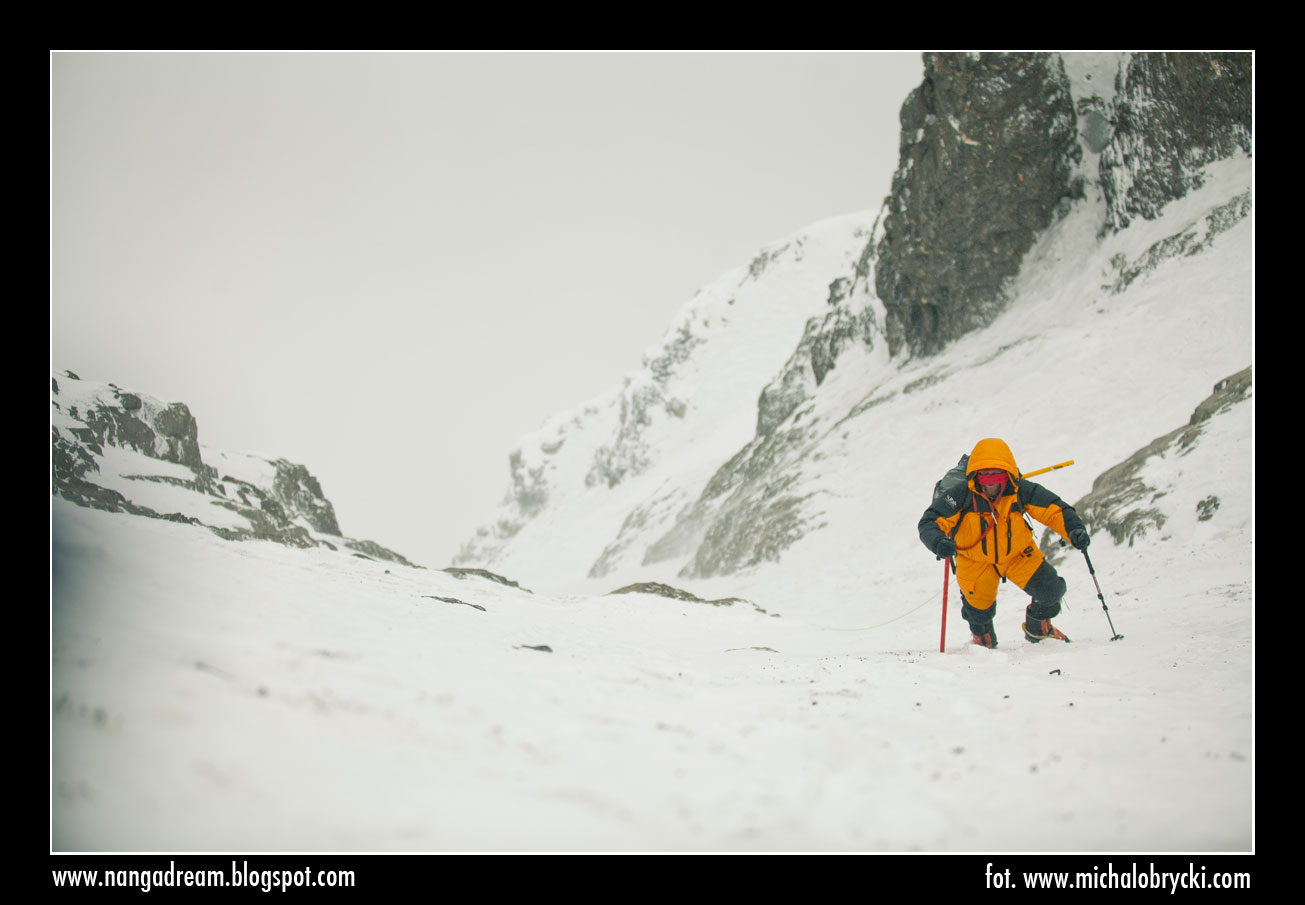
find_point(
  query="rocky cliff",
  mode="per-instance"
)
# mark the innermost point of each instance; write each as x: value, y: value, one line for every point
x: 129, y: 452
x: 988, y: 150
x: 1170, y: 116
x: 995, y: 146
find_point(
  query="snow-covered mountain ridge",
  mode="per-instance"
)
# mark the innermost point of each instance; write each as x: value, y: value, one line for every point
x: 1080, y: 338
x: 655, y: 442
x: 673, y: 483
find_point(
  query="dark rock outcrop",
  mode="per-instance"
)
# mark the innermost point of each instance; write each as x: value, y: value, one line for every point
x: 1174, y: 114
x: 823, y: 340
x: 457, y: 572
x: 658, y: 589
x: 112, y: 417
x: 301, y: 495
x: 89, y: 418
x: 988, y: 147
x: 168, y: 433
x: 750, y: 511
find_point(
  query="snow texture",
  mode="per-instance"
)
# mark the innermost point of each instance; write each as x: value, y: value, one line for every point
x: 216, y: 696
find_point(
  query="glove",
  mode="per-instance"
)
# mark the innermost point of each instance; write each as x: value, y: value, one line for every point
x: 945, y: 548
x: 1079, y: 538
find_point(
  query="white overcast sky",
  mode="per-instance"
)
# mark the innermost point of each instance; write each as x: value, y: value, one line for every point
x: 390, y: 266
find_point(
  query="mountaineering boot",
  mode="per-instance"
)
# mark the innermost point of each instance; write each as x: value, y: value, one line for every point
x: 980, y: 623
x: 1037, y: 629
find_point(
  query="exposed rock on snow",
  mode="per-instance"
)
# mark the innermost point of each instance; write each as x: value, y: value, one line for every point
x: 1190, y: 241
x: 454, y: 600
x: 664, y: 590
x: 1139, y: 496
x: 129, y: 452
x: 1174, y: 114
x: 486, y: 574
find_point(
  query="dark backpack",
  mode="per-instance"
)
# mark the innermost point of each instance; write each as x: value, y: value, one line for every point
x: 954, y: 484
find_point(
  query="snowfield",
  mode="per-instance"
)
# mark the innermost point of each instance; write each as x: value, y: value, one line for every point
x: 210, y: 696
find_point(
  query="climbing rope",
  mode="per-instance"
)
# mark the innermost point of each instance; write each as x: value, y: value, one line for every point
x: 832, y: 628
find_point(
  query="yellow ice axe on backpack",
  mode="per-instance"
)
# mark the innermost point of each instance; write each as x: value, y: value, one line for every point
x: 1030, y: 474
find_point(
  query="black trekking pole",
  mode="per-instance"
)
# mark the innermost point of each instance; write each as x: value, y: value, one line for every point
x: 1115, y: 636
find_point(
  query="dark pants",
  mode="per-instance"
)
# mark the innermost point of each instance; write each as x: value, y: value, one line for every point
x: 1046, y: 588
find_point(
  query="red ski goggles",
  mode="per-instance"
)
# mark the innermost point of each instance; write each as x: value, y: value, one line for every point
x: 991, y: 477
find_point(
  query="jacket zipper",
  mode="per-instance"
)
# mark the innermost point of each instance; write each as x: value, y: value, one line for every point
x: 983, y: 531
x: 983, y: 534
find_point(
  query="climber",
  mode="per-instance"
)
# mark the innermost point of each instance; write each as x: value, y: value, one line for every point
x: 983, y: 528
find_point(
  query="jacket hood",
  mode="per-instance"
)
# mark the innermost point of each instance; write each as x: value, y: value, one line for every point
x: 992, y: 453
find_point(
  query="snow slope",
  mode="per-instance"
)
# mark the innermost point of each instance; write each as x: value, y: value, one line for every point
x: 217, y: 696
x: 644, y: 450
x: 209, y: 696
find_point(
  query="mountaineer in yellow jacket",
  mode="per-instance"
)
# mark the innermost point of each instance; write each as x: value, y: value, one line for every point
x: 983, y: 527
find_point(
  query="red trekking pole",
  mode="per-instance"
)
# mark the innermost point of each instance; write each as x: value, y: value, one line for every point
x: 942, y: 642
